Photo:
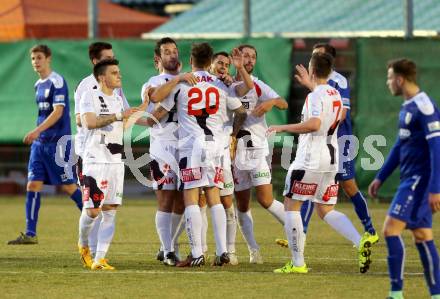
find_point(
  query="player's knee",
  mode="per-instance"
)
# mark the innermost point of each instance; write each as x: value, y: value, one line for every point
x: 34, y: 186
x: 69, y: 189
x: 350, y: 187
x: 422, y: 235
x: 93, y: 213
x: 322, y: 210
x: 389, y: 230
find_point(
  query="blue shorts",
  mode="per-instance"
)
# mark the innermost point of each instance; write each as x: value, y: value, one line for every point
x: 411, y: 205
x: 43, y: 167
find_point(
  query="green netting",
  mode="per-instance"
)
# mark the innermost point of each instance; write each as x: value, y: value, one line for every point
x: 377, y: 110
x: 17, y: 100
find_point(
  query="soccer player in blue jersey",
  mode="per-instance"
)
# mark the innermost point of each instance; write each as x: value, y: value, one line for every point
x: 53, y: 123
x: 347, y: 176
x: 417, y: 151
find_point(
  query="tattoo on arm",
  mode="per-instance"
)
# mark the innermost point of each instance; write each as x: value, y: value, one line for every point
x: 104, y: 120
x: 239, y: 118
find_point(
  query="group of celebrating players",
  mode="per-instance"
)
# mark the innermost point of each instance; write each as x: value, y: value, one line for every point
x: 209, y: 141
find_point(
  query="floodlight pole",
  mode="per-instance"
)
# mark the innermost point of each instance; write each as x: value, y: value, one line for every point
x: 93, y: 19
x: 409, y: 18
x: 247, y: 18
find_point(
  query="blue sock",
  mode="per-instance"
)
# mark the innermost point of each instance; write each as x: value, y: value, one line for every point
x: 306, y: 214
x: 430, y: 260
x: 396, y: 256
x: 361, y: 209
x: 32, y: 207
x: 77, y: 198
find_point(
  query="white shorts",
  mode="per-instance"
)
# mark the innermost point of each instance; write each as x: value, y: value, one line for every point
x: 319, y: 187
x: 195, y: 173
x: 163, y: 168
x: 251, y: 168
x: 228, y: 179
x: 103, y: 184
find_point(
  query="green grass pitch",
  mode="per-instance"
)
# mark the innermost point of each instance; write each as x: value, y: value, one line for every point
x: 52, y: 269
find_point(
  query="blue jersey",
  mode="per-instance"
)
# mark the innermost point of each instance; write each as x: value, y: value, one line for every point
x: 340, y: 83
x: 417, y: 149
x: 50, y: 92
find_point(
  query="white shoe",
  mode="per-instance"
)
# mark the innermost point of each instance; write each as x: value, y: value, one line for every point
x: 233, y: 259
x: 255, y: 257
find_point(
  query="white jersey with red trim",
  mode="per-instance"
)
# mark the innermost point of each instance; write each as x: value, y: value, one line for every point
x: 201, y: 111
x: 318, y: 150
x: 102, y: 145
x: 87, y: 84
x: 254, y: 126
x: 166, y: 128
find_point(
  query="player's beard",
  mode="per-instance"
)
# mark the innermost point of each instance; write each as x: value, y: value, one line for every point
x: 249, y: 68
x: 171, y: 66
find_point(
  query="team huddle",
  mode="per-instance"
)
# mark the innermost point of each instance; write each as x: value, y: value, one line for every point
x: 209, y: 143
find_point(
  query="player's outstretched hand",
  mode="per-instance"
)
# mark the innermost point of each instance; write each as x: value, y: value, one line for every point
x: 237, y: 58
x: 31, y: 136
x: 434, y: 202
x: 262, y: 108
x: 373, y: 188
x: 273, y: 130
x: 188, y: 78
x: 303, y: 77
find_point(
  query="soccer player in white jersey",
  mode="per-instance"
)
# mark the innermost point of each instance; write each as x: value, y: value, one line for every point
x: 220, y: 68
x: 200, y: 111
x: 102, y: 114
x: 98, y: 51
x: 251, y: 166
x: 312, y: 175
x: 163, y: 151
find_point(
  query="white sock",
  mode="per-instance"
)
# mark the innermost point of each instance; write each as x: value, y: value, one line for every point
x: 295, y: 235
x: 177, y: 227
x: 277, y: 210
x: 105, y: 233
x: 163, y: 228
x: 218, y: 218
x: 231, y: 229
x: 343, y: 225
x: 193, y: 224
x: 204, y: 228
x: 85, y: 226
x: 93, y: 236
x: 246, y: 225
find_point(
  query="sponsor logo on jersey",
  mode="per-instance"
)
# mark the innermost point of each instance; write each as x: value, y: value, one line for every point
x: 104, y: 184
x: 191, y: 174
x: 304, y: 188
x: 261, y: 174
x: 46, y: 92
x: 404, y: 133
x: 434, y: 126
x: 59, y: 98
x: 408, y: 117
x: 332, y: 191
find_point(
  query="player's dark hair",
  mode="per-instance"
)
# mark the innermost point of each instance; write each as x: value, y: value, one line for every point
x: 96, y: 48
x: 100, y: 68
x: 221, y: 53
x: 42, y: 49
x: 242, y: 46
x: 201, y: 54
x: 405, y: 68
x: 163, y: 41
x: 329, y: 49
x: 322, y: 64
